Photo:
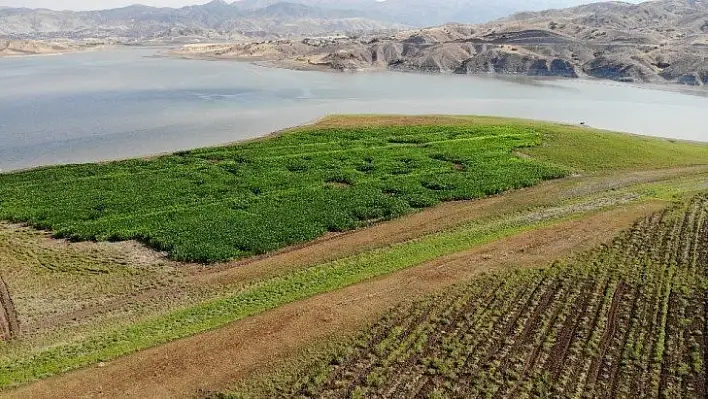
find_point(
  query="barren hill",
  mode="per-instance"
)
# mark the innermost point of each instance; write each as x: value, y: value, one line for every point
x: 426, y: 13
x: 35, y: 47
x: 658, y: 41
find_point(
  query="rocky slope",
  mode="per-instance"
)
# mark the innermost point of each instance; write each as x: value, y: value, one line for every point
x: 658, y: 41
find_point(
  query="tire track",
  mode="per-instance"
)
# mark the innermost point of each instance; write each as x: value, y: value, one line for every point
x: 9, y: 324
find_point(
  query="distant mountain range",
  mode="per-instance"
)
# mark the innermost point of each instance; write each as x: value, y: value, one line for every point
x: 216, y: 17
x: 259, y: 18
x: 421, y: 13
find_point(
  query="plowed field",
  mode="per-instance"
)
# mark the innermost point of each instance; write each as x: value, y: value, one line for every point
x: 627, y: 320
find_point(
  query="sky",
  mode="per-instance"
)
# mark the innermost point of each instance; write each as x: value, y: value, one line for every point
x: 94, y: 4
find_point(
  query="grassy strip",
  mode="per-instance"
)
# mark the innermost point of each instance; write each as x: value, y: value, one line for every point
x: 676, y: 190
x: 258, y: 298
x: 591, y: 150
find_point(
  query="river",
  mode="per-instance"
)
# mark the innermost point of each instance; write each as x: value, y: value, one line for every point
x: 127, y: 102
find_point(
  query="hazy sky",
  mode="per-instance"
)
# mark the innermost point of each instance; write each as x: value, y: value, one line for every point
x: 104, y: 4
x: 94, y: 4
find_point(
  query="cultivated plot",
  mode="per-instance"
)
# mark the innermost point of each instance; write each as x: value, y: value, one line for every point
x: 627, y: 320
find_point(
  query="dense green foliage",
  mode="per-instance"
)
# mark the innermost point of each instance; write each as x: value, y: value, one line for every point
x: 629, y: 320
x: 228, y: 202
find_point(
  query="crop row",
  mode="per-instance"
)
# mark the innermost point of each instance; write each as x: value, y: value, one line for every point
x: 627, y: 320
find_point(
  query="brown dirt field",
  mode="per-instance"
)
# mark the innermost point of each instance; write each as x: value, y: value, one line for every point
x: 609, y: 333
x: 216, y: 359
x: 565, y: 337
x: 9, y: 326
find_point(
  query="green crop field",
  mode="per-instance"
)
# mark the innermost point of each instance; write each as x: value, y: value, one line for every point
x: 627, y: 320
x: 235, y: 201
x: 229, y: 202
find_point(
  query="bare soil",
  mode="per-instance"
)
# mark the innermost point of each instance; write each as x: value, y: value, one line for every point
x: 9, y: 325
x: 215, y: 359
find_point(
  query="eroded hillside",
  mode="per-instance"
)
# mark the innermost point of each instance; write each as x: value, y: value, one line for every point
x: 659, y: 41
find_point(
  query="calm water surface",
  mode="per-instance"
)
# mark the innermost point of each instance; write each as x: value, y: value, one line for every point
x: 125, y: 103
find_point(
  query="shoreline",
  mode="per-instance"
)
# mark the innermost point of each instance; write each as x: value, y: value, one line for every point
x: 566, y: 85
x: 166, y: 153
x: 315, y: 121
x: 35, y: 55
x: 309, y: 67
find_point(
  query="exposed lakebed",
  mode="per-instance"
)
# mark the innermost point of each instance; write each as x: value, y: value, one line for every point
x: 124, y: 103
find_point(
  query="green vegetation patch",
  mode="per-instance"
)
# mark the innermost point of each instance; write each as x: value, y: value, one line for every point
x: 236, y: 201
x: 593, y: 150
x: 221, y: 203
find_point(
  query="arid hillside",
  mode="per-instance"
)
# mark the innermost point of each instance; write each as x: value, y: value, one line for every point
x: 658, y: 41
x: 36, y: 47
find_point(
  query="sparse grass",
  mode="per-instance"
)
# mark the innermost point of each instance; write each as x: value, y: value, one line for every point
x: 590, y: 150
x: 49, y: 277
x: 627, y: 319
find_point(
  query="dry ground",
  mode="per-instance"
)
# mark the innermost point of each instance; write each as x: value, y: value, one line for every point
x: 215, y: 359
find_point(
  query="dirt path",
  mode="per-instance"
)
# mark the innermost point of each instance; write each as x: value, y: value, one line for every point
x: 215, y: 359
x: 443, y: 217
x: 9, y: 325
